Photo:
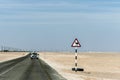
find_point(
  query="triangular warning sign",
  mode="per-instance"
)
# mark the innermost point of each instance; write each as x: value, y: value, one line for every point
x: 76, y: 43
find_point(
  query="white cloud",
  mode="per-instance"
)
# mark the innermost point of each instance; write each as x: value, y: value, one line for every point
x: 61, y: 18
x: 62, y: 5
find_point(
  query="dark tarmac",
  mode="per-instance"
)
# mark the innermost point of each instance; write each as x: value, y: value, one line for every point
x: 26, y: 69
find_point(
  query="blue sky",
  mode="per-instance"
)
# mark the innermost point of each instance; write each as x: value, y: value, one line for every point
x: 53, y: 25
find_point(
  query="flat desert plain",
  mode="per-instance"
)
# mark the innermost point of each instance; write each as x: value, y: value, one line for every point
x: 97, y: 65
x: 4, y: 56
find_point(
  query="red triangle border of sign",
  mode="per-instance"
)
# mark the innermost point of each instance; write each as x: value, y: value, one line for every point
x: 74, y: 42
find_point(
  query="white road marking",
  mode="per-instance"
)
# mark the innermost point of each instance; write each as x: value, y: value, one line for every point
x: 7, y: 71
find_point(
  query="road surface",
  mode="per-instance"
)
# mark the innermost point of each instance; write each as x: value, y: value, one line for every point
x: 26, y: 69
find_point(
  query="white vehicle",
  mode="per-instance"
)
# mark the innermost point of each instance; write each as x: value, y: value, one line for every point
x: 34, y: 55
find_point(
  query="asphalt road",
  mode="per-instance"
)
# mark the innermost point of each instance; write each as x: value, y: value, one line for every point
x: 26, y: 69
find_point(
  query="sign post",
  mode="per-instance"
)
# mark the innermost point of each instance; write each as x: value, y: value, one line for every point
x: 76, y: 44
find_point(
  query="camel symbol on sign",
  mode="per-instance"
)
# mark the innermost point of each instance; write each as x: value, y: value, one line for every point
x: 76, y: 43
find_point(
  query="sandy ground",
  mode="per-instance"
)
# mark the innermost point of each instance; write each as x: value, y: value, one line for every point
x: 4, y: 56
x: 97, y: 66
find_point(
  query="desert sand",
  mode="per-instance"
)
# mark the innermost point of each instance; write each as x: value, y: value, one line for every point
x: 97, y: 65
x: 4, y: 56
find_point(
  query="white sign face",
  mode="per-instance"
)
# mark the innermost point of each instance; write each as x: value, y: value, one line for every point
x: 76, y: 43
